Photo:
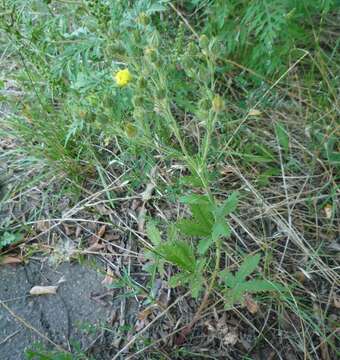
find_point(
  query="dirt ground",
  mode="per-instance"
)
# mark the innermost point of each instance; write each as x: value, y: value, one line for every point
x: 81, y: 304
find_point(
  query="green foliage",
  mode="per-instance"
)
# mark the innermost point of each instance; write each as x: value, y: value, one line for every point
x: 282, y: 137
x: 208, y: 224
x: 327, y: 145
x: 186, y: 109
x: 237, y: 285
x: 208, y: 219
x: 261, y: 34
x: 9, y: 238
x: 34, y: 355
x: 39, y: 352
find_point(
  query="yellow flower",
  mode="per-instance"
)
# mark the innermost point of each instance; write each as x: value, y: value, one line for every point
x: 123, y: 77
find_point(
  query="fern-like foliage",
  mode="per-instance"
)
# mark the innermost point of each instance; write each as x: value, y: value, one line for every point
x: 262, y: 33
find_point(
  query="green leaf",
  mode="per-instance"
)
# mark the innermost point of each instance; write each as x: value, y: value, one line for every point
x: 282, y: 136
x: 202, y: 214
x: 178, y: 279
x: 192, y: 228
x: 172, y: 232
x: 196, y: 285
x: 195, y: 199
x: 204, y: 245
x: 191, y: 180
x: 264, y: 177
x: 153, y: 234
x: 248, y: 266
x: 228, y: 278
x: 8, y: 238
x: 258, y: 285
x: 228, y: 205
x: 179, y: 253
x: 220, y: 228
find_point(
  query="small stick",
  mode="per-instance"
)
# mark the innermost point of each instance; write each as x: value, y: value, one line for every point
x: 29, y: 326
x: 9, y: 337
x: 147, y: 326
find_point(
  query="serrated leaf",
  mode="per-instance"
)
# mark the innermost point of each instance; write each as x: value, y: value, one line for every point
x: 196, y: 285
x: 204, y: 245
x: 202, y: 214
x: 248, y: 266
x: 195, y: 199
x: 177, y: 280
x: 172, y: 232
x: 179, y: 253
x: 258, y: 285
x: 153, y: 234
x: 191, y: 180
x: 220, y: 229
x: 228, y: 206
x: 192, y: 228
x: 282, y: 136
x: 228, y: 278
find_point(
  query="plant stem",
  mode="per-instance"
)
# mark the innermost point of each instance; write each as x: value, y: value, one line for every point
x: 207, y: 140
x: 205, y: 300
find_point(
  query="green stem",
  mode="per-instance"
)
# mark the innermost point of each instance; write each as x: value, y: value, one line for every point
x: 210, y: 128
x: 209, y: 289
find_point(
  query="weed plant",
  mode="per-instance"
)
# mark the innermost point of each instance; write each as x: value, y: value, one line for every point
x: 236, y: 103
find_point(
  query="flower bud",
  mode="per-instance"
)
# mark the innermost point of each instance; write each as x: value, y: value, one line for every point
x: 143, y: 19
x: 137, y: 36
x: 154, y: 40
x: 217, y: 104
x: 137, y: 101
x: 151, y: 54
x: 141, y: 83
x: 82, y: 113
x: 192, y: 49
x: 130, y: 130
x: 204, y: 42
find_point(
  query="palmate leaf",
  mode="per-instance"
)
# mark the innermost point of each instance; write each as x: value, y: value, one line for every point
x: 179, y: 253
x: 203, y: 219
x: 194, y: 280
x: 237, y: 285
x: 219, y: 229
